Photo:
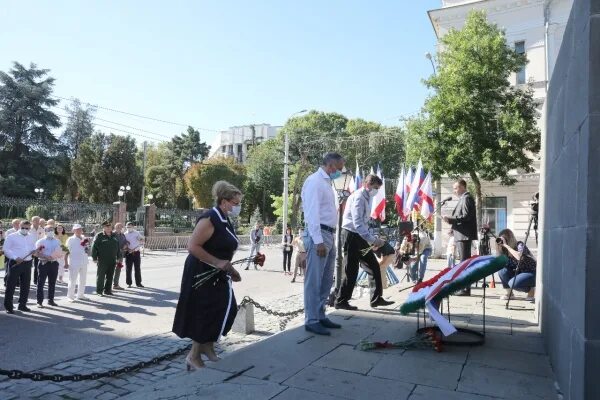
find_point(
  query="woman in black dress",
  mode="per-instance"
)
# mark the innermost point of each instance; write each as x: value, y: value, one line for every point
x: 206, y: 313
x: 288, y: 249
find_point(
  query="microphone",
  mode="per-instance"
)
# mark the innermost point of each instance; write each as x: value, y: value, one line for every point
x: 447, y: 199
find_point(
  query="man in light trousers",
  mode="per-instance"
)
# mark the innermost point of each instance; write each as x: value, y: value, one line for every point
x: 79, y: 250
x: 320, y: 214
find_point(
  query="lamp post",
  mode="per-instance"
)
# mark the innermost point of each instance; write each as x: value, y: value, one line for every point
x: 341, y: 185
x: 437, y: 234
x: 150, y: 197
x: 39, y: 192
x: 123, y: 192
x: 286, y: 172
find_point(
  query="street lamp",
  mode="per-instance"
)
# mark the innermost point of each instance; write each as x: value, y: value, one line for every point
x: 150, y: 197
x: 437, y: 234
x: 39, y: 192
x: 123, y: 192
x: 286, y: 171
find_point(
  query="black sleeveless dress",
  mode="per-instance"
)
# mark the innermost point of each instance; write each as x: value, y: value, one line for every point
x: 206, y: 313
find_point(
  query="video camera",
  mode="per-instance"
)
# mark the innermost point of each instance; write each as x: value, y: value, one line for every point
x: 534, y: 204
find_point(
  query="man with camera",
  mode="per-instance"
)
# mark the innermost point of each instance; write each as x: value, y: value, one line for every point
x: 356, y: 242
x: 464, y: 224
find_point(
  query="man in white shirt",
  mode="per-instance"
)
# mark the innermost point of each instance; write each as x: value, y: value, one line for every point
x: 133, y: 257
x: 37, y: 230
x: 79, y: 249
x: 15, y: 228
x: 49, y: 251
x: 320, y: 214
x: 18, y: 249
x: 356, y: 239
x: 256, y: 240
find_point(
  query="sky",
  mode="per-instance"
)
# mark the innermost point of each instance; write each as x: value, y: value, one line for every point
x: 216, y: 64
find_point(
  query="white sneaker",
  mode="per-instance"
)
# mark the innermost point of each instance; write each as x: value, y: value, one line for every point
x: 505, y: 297
x: 82, y: 298
x: 71, y: 299
x: 532, y: 299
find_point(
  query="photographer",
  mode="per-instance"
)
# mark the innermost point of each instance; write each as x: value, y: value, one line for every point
x: 518, y: 255
x: 423, y: 250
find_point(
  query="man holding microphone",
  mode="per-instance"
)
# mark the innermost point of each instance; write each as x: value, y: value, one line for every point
x: 356, y: 242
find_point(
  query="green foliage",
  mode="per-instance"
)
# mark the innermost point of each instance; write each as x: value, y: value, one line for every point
x: 476, y: 124
x: 200, y: 178
x: 256, y: 218
x: 26, y: 141
x: 277, y: 204
x: 39, y: 210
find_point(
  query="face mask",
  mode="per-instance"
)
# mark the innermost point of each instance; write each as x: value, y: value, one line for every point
x: 50, y: 234
x: 235, y: 211
x: 24, y: 232
x: 335, y: 175
x: 373, y: 192
x: 129, y: 230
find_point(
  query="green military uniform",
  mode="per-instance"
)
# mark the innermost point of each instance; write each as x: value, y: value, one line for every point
x: 106, y: 251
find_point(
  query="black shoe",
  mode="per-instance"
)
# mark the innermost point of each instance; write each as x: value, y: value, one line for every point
x: 129, y: 286
x: 108, y: 293
x: 10, y: 311
x: 24, y: 308
x: 39, y: 305
x: 317, y: 328
x: 345, y: 306
x: 52, y: 303
x: 464, y: 292
x: 140, y: 285
x: 381, y: 302
x: 246, y: 269
x: 327, y: 323
x: 419, y: 280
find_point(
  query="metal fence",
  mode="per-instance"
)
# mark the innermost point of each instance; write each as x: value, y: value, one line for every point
x: 180, y: 243
x: 85, y: 213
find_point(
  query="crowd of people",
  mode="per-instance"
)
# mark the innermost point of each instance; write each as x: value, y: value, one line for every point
x: 45, y: 250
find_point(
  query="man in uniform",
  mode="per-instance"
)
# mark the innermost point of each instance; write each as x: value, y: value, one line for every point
x: 105, y: 253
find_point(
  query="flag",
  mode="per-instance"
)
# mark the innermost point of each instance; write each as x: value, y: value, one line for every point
x: 378, y: 205
x: 407, y: 182
x: 426, y: 197
x: 400, y: 196
x: 357, y: 182
x: 412, y: 201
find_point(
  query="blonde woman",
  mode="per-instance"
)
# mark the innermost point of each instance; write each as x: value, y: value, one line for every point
x: 206, y: 313
x: 63, y: 262
x: 523, y: 279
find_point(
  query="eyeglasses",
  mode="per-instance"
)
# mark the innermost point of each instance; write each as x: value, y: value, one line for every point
x: 25, y: 228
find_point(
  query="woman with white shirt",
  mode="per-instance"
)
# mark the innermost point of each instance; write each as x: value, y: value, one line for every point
x: 79, y: 248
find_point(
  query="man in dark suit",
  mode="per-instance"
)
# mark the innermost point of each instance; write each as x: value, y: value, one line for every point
x: 464, y: 223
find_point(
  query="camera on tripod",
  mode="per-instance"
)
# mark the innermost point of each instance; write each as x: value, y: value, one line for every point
x: 534, y: 204
x: 499, y: 240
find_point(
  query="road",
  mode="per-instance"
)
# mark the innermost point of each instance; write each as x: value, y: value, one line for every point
x: 49, y: 335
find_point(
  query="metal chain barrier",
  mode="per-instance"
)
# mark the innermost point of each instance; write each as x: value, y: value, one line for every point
x: 38, y: 376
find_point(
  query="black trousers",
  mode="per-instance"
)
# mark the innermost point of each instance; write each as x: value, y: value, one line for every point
x: 48, y: 270
x: 133, y: 259
x: 464, y: 249
x: 36, y: 263
x: 352, y: 245
x: 17, y: 273
x: 287, y: 259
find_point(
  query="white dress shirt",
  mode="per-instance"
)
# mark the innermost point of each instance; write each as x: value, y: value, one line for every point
x: 135, y: 240
x: 318, y: 203
x: 39, y: 232
x: 51, y: 250
x: 77, y: 255
x: 10, y: 232
x: 357, y: 214
x: 19, y: 246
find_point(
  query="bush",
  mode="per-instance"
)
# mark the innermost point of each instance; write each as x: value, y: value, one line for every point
x: 37, y: 210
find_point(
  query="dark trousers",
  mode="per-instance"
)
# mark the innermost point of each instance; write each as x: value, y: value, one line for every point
x: 17, y: 273
x: 36, y: 263
x: 133, y: 260
x: 48, y: 270
x: 287, y: 259
x: 464, y: 249
x: 104, y: 276
x: 353, y: 245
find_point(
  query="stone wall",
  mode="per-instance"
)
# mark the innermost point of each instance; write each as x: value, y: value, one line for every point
x: 570, y: 247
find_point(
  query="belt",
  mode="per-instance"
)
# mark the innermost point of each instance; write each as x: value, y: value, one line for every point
x: 327, y: 228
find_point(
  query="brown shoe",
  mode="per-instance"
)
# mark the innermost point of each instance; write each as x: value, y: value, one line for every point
x: 117, y: 287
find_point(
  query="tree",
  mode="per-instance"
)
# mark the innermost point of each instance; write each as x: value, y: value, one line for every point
x: 476, y: 124
x: 201, y: 177
x: 264, y: 167
x: 105, y: 163
x: 26, y: 140
x: 80, y: 126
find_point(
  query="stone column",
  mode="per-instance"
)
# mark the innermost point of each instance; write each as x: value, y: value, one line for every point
x: 149, y: 219
x: 119, y: 212
x: 571, y: 208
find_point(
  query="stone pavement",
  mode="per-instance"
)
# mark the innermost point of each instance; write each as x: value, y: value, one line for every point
x: 296, y: 365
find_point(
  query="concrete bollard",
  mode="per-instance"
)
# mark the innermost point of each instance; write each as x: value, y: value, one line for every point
x: 244, y: 321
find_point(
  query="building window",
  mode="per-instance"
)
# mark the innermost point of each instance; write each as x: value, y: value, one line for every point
x: 230, y: 150
x: 223, y: 149
x: 520, y: 49
x: 494, y: 213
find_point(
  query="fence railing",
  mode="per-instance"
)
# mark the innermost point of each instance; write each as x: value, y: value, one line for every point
x: 179, y: 243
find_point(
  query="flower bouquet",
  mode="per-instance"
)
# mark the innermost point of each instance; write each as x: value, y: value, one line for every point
x: 120, y: 265
x: 201, y: 279
x: 428, y: 339
x: 85, y: 243
x: 64, y: 248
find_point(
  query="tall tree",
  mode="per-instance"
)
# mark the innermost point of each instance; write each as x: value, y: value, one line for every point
x: 80, y: 126
x: 26, y: 140
x: 201, y: 177
x: 475, y: 123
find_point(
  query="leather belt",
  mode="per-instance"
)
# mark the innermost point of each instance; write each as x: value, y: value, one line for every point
x: 327, y: 228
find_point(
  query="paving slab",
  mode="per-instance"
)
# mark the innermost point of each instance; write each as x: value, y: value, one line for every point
x: 349, y: 385
x: 528, y: 363
x: 300, y: 394
x: 527, y: 344
x: 429, y: 393
x: 347, y: 358
x: 411, y: 368
x: 479, y: 379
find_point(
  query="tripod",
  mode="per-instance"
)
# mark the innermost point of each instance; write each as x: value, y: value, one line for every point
x: 484, y: 250
x: 532, y: 221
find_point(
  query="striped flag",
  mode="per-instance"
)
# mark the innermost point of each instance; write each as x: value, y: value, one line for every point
x: 378, y: 205
x: 357, y: 182
x: 400, y: 194
x: 407, y: 182
x: 412, y: 201
x: 426, y: 197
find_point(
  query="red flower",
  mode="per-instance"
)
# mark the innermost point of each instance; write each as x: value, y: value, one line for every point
x: 259, y: 259
x: 84, y: 242
x: 41, y: 248
x: 431, y: 281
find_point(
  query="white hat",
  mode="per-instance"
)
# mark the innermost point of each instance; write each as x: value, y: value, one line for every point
x: 76, y: 226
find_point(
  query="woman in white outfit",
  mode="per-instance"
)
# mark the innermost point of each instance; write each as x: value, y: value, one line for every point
x: 78, y: 261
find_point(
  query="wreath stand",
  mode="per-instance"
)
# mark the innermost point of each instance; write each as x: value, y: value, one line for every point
x: 463, y: 336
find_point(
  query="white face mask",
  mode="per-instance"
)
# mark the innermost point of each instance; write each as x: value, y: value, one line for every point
x: 373, y: 192
x: 235, y: 211
x: 24, y: 232
x: 129, y: 230
x: 50, y: 234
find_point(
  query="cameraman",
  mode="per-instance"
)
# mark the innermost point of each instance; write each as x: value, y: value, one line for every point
x: 523, y: 278
x: 423, y: 250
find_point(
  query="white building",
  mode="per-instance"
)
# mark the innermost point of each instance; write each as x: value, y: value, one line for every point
x: 237, y: 140
x: 535, y: 27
